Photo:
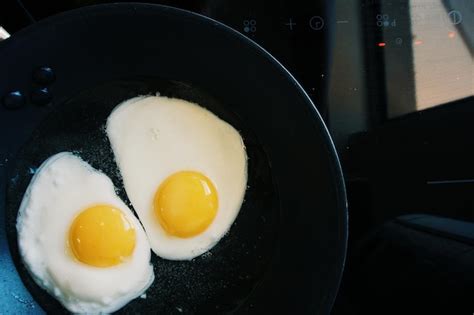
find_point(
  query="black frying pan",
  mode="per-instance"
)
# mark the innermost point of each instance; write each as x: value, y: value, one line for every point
x: 286, y: 250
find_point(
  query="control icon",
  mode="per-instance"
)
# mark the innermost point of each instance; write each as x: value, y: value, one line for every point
x: 250, y: 26
x: 316, y: 23
x: 455, y: 17
x: 383, y: 20
x: 290, y: 24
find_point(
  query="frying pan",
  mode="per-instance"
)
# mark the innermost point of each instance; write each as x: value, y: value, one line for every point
x: 285, y: 251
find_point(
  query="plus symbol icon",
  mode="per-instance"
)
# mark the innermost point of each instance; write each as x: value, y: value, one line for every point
x: 290, y: 24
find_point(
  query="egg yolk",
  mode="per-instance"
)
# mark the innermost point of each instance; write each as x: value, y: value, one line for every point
x: 101, y: 236
x: 186, y: 203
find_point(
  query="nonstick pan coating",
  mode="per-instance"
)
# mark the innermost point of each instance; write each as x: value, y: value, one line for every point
x: 285, y: 252
x: 216, y: 281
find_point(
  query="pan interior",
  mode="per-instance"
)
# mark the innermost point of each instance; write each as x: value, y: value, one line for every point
x: 218, y: 281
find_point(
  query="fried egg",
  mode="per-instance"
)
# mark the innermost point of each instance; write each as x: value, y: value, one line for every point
x: 184, y: 171
x: 79, y: 241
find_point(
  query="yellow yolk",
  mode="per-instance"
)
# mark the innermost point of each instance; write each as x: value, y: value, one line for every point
x: 186, y: 203
x: 101, y: 236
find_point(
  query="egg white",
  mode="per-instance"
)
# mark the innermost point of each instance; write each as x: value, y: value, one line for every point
x: 62, y: 187
x: 153, y: 137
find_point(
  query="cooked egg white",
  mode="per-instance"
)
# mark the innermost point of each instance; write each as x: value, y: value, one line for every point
x: 79, y: 241
x: 184, y: 170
